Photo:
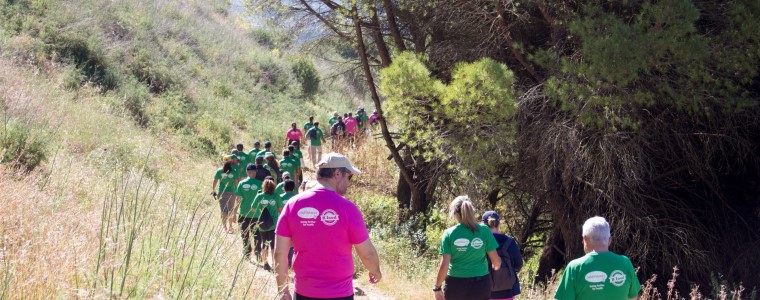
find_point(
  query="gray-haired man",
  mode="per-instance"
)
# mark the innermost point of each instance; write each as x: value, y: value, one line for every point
x: 600, y: 274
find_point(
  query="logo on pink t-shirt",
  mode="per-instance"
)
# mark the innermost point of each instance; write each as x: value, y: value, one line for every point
x: 329, y: 217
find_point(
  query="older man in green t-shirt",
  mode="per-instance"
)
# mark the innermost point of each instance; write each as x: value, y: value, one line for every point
x: 600, y: 274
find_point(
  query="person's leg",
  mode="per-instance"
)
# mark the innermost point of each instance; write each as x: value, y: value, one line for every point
x: 319, y: 154
x: 245, y: 234
x: 257, y: 240
x: 311, y: 153
x: 231, y: 209
x: 268, y: 238
x: 224, y: 211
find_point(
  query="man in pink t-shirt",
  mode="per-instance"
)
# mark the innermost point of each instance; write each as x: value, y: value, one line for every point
x: 293, y: 134
x: 323, y: 227
x: 351, y: 124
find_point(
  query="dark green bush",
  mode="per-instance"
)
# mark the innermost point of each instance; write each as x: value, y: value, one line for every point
x: 22, y: 146
x: 135, y: 97
x: 150, y: 69
x: 74, y: 49
x: 307, y: 75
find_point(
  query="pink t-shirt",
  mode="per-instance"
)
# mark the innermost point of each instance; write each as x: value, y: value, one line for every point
x: 294, y: 134
x: 350, y: 125
x: 323, y: 226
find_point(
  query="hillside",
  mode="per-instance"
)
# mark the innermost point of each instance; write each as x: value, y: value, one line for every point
x: 115, y: 115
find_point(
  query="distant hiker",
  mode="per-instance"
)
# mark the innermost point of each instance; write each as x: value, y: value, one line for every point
x: 373, y: 119
x: 290, y: 164
x: 306, y: 127
x: 267, y: 149
x: 333, y: 119
x: 361, y: 118
x: 293, y: 134
x: 323, y: 226
x: 316, y: 138
x: 261, y: 172
x: 247, y: 191
x: 271, y: 164
x: 265, y: 211
x: 243, y: 158
x: 351, y: 125
x: 254, y: 152
x: 280, y: 186
x: 225, y: 177
x: 298, y: 156
x: 289, y: 190
x: 600, y: 274
x: 504, y: 282
x: 237, y: 165
x: 464, y: 247
x: 337, y: 133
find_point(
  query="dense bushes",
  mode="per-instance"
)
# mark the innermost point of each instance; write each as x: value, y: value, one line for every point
x: 21, y: 145
x: 306, y: 74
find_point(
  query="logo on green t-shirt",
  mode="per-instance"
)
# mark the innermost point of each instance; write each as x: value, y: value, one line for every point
x: 617, y: 278
x: 476, y: 243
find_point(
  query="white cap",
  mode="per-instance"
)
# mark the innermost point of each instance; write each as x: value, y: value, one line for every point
x: 336, y: 160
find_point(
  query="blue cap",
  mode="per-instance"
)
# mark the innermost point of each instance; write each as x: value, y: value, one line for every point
x: 490, y: 215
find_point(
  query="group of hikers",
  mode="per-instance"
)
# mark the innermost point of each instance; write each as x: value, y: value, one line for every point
x: 313, y: 229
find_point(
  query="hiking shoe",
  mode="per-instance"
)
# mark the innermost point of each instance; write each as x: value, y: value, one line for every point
x: 267, y: 267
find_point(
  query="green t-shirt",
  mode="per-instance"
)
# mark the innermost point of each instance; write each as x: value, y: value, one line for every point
x: 244, y: 159
x: 285, y: 197
x: 468, y: 250
x: 332, y: 121
x: 361, y: 119
x: 317, y: 139
x: 247, y: 190
x: 268, y: 202
x: 289, y: 164
x: 298, y: 154
x: 226, y: 180
x: 307, y: 126
x: 240, y: 167
x: 253, y: 153
x: 599, y: 276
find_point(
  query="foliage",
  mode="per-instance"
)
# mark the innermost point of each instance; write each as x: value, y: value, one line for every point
x: 307, y: 75
x: 22, y: 146
x: 468, y: 121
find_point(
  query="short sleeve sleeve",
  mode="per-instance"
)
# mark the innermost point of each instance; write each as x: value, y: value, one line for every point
x: 239, y: 189
x: 491, y: 243
x: 357, y: 229
x: 566, y: 288
x: 635, y: 284
x: 445, y: 245
x: 218, y: 174
x: 283, y: 228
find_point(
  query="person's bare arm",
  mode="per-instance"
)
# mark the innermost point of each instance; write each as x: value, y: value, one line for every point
x: 443, y: 268
x: 495, y: 259
x: 368, y: 255
x: 213, y: 185
x: 281, y: 249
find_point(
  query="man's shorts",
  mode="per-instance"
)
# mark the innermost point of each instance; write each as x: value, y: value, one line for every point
x: 227, y: 202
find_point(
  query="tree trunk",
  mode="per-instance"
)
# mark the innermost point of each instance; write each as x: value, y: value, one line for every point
x: 390, y: 11
x: 493, y: 198
x: 377, y: 35
x: 403, y: 170
x: 552, y: 258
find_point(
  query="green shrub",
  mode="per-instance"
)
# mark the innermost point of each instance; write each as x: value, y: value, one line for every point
x: 74, y: 48
x: 22, y: 146
x: 150, y: 69
x: 72, y: 78
x: 172, y: 112
x: 135, y: 97
x: 307, y: 75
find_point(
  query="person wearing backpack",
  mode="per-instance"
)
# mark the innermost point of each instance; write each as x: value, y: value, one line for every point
x: 464, y: 248
x: 265, y: 209
x: 504, y: 282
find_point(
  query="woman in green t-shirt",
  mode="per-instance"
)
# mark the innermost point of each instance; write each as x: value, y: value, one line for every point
x: 266, y: 202
x: 463, y: 263
x: 225, y: 179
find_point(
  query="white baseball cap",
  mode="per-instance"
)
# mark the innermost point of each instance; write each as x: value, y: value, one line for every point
x: 336, y: 160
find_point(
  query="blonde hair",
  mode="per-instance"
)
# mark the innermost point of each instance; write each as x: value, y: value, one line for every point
x: 463, y: 210
x: 268, y: 187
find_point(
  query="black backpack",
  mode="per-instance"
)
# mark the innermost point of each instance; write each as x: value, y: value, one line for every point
x: 265, y: 219
x: 504, y: 278
x: 313, y: 133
